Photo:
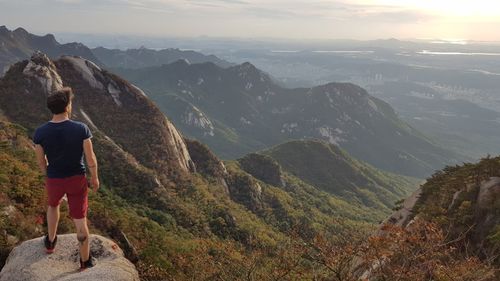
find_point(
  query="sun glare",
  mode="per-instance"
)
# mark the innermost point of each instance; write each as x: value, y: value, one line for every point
x: 476, y: 9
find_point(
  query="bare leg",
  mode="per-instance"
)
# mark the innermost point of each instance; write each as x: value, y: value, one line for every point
x: 82, y: 234
x: 52, y: 221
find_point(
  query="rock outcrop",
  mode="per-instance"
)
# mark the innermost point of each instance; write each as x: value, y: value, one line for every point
x: 486, y: 212
x: 245, y: 190
x: 206, y: 162
x: 29, y: 262
x: 110, y: 101
x: 402, y: 216
x: 110, y: 105
x: 43, y: 69
x: 264, y: 168
x: 489, y: 191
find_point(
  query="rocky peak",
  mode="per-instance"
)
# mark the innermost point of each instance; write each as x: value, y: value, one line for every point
x: 110, y: 105
x: 20, y: 32
x: 128, y: 110
x: 342, y: 90
x: 50, y: 38
x: 248, y: 66
x: 41, y: 68
x: 75, y: 45
x: 41, y: 59
x: 250, y: 73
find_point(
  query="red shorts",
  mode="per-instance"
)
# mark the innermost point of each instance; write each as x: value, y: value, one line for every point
x: 76, y: 190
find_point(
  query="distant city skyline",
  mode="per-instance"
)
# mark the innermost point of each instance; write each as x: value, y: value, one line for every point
x: 293, y: 19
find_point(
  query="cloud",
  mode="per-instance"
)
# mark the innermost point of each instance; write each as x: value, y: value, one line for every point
x: 365, y: 12
x: 237, y: 2
x: 267, y: 9
x: 69, y: 1
x: 399, y: 16
x: 315, y: 10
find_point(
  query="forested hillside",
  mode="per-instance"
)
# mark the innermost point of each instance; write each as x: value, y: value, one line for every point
x: 170, y: 203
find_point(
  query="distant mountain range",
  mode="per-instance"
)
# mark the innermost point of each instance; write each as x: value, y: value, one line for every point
x: 19, y: 44
x: 241, y: 109
x: 430, y: 84
x: 143, y: 57
x: 459, y: 124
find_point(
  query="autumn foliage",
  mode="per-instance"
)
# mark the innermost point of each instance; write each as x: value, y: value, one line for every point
x: 421, y: 251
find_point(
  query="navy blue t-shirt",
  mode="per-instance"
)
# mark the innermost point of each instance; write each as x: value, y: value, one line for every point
x: 63, y: 144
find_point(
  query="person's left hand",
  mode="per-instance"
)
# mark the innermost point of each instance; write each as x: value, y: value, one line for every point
x: 94, y: 183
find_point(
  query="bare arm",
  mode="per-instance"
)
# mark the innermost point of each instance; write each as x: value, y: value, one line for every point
x: 91, y: 163
x: 40, y: 157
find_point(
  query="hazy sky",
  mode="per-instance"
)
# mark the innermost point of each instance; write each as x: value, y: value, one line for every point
x: 331, y: 19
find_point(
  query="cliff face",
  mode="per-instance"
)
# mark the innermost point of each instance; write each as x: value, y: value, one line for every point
x: 464, y: 201
x: 124, y: 109
x: 29, y: 262
x: 451, y: 222
x: 116, y: 110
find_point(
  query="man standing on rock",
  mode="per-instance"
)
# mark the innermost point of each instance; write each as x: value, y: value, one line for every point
x: 60, y: 146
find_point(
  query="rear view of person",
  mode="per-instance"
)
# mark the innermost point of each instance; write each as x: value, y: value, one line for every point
x: 60, y: 145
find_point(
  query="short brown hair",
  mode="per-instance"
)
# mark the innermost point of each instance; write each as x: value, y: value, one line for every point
x: 59, y: 100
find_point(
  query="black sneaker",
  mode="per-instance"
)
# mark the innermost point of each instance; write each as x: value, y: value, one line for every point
x: 50, y: 246
x: 91, y: 262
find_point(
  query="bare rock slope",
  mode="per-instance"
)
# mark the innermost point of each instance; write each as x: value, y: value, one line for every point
x: 29, y: 262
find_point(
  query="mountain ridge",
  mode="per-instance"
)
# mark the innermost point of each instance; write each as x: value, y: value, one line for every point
x: 328, y: 167
x: 144, y: 57
x: 19, y: 45
x: 244, y: 111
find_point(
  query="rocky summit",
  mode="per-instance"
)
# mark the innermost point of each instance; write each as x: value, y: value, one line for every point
x: 29, y: 262
x: 104, y: 101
